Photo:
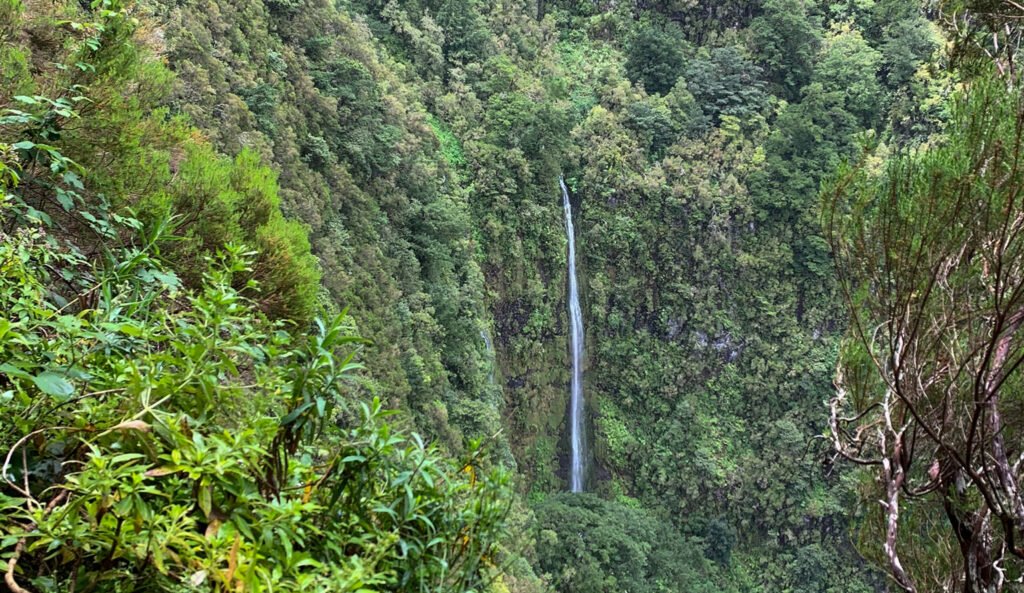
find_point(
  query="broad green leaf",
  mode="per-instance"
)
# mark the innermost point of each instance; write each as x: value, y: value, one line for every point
x: 130, y: 330
x: 126, y: 457
x: 66, y: 199
x: 296, y: 413
x: 206, y: 499
x: 54, y: 384
x: 13, y: 371
x: 71, y: 178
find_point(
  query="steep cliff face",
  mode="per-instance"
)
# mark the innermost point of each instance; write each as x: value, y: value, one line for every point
x: 424, y: 158
x: 308, y: 87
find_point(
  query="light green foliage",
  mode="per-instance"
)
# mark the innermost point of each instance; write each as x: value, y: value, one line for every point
x: 450, y: 146
x: 859, y: 11
x: 848, y: 65
x: 213, y: 199
x: 92, y: 144
x: 13, y: 63
x: 175, y: 437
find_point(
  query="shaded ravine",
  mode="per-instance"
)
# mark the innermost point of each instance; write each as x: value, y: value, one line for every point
x: 576, y: 407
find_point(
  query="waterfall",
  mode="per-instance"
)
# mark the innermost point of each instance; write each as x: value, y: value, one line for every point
x: 576, y: 425
x: 490, y: 355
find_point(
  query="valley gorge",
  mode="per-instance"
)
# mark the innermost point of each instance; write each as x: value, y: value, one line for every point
x: 510, y: 297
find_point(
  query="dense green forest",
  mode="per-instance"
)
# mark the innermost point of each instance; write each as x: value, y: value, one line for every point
x: 283, y: 295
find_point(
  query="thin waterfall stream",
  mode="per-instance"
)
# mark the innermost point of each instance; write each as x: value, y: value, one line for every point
x: 490, y: 354
x: 576, y: 403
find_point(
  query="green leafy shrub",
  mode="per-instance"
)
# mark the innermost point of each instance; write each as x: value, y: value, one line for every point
x: 157, y: 437
x: 89, y: 136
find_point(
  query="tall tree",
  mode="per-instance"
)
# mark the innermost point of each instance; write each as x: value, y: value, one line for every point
x: 465, y: 33
x: 724, y: 82
x: 929, y: 391
x: 847, y: 65
x: 655, y: 57
x: 786, y: 39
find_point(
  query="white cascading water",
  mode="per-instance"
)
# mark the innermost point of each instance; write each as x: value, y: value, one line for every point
x: 490, y: 354
x: 576, y: 424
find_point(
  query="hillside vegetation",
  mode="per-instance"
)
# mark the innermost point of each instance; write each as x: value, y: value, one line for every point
x: 283, y: 290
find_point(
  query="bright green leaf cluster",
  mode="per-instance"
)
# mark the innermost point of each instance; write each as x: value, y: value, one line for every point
x: 174, y: 437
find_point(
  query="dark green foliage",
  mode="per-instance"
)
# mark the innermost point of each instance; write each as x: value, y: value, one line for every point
x: 909, y: 43
x: 886, y: 13
x: 653, y: 123
x: 655, y: 57
x: 725, y: 82
x: 691, y: 343
x: 719, y: 539
x: 360, y: 165
x: 466, y: 38
x: 786, y: 38
x: 590, y: 545
x: 704, y: 20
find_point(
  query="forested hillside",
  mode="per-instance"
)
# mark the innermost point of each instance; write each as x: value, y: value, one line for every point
x: 284, y: 291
